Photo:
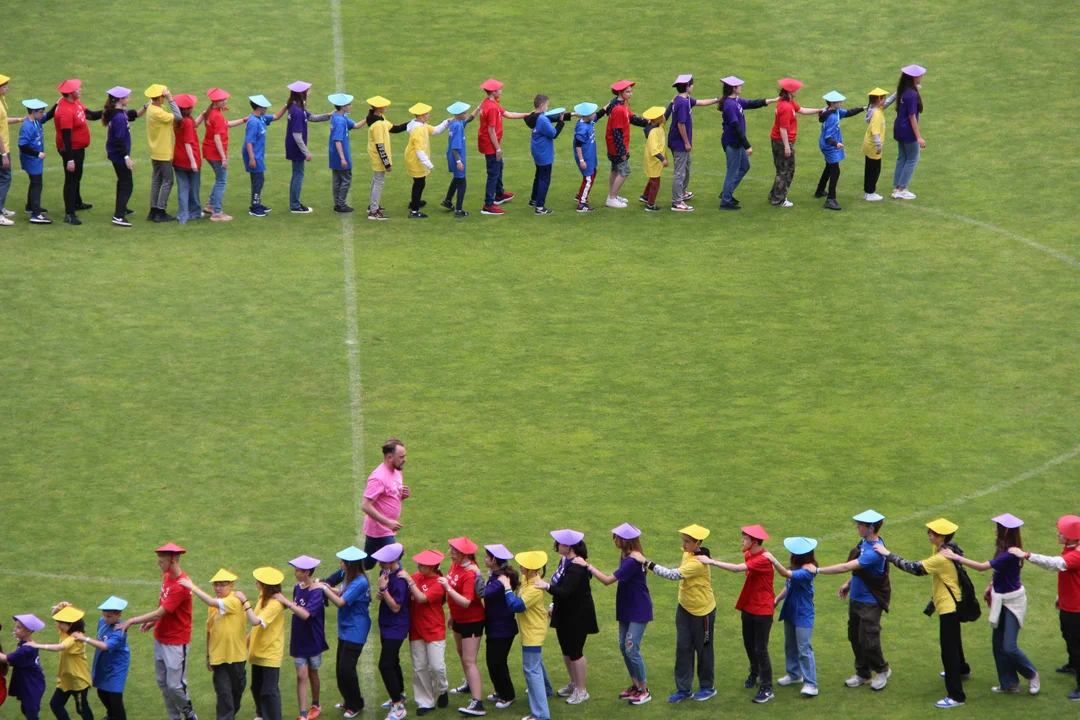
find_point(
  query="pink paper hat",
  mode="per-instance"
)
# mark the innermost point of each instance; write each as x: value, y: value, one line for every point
x: 305, y: 563
x: 499, y: 552
x: 1008, y: 520
x: 30, y: 622
x: 626, y: 531
x: 567, y: 537
x: 732, y: 80
x: 913, y: 70
x: 389, y: 553
x: 683, y: 79
x: 299, y: 86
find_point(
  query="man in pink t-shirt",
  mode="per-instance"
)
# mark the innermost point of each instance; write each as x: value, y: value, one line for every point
x: 382, y: 500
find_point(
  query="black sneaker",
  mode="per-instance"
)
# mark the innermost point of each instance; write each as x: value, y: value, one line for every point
x: 423, y: 203
x: 416, y: 214
x: 1074, y: 695
x: 72, y: 220
x: 460, y: 689
x: 40, y: 220
x: 687, y: 195
x: 128, y: 211
x: 831, y: 204
x: 121, y: 222
x: 302, y: 210
x: 443, y: 700
x: 474, y: 708
x: 820, y: 194
x: 264, y: 208
x: 422, y: 711
x: 343, y: 209
x: 763, y: 696
x: 461, y: 213
x: 447, y: 204
x: 257, y: 212
x: 543, y: 211
x: 163, y: 217
x: 1066, y: 668
x: 532, y: 203
x: 652, y: 208
x: 643, y: 199
x: 729, y: 206
x: 751, y: 681
x: 84, y: 206
x: 151, y: 217
x: 377, y: 215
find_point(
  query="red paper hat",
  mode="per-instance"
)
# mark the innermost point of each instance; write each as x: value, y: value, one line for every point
x: 491, y: 85
x: 756, y: 531
x: 1069, y: 526
x: 789, y: 84
x: 69, y: 86
x: 171, y: 548
x: 463, y: 545
x: 216, y: 94
x: 428, y: 557
x: 622, y: 85
x: 185, y: 100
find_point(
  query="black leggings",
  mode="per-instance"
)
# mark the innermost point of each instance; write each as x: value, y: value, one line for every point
x: 58, y: 704
x: 33, y: 195
x: 456, y: 184
x: 390, y: 662
x: 114, y: 704
x: 830, y: 174
x: 348, y: 684
x: 73, y: 180
x: 871, y: 175
x: 498, y: 650
x: 124, y: 187
x: 417, y: 192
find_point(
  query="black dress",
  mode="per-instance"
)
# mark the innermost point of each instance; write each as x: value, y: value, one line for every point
x: 574, y: 614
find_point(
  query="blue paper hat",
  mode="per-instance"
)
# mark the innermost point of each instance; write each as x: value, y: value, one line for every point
x: 352, y: 554
x: 34, y: 104
x: 799, y: 545
x: 259, y: 100
x: 113, y: 603
x: 555, y: 111
x: 834, y: 96
x: 340, y: 99
x: 869, y: 517
x: 458, y: 108
x: 585, y: 109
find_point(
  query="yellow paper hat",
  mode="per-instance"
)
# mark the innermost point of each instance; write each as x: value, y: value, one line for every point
x: 223, y: 575
x: 532, y: 560
x: 420, y: 109
x: 68, y: 614
x: 652, y: 113
x: 695, y: 531
x: 4, y: 79
x: 878, y: 91
x: 269, y: 575
x: 155, y: 90
x: 378, y: 102
x: 943, y: 527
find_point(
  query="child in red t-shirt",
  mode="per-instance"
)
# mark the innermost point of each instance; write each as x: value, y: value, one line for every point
x: 756, y: 602
x: 427, y: 632
x: 464, y: 587
x: 785, y: 127
x: 620, y: 118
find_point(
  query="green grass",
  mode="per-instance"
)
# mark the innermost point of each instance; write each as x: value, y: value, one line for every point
x: 192, y: 383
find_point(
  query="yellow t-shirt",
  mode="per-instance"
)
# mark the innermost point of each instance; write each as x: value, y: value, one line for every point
x: 379, y: 133
x: 876, y: 126
x: 654, y: 145
x: 159, y: 132
x: 5, y: 134
x: 228, y: 632
x: 533, y: 623
x: 695, y: 589
x: 74, y: 671
x: 943, y: 576
x: 267, y: 645
x: 419, y: 139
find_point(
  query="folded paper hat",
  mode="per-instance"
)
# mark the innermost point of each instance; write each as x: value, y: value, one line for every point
x: 185, y: 100
x: 4, y: 79
x: 351, y: 554
x: 622, y: 85
x: 941, y: 526
x: 878, y: 92
x: 532, y: 560
x: 1008, y: 520
x: 567, y: 536
x: 626, y: 531
x: 799, y: 545
x: 755, y: 531
x: 913, y: 70
x: 1069, y: 526
x: 119, y: 92
x: 259, y: 100
x: 687, y: 79
x: 113, y: 603
x: 420, y: 109
x: 789, y: 84
x: 268, y: 575
x: 34, y: 104
x: 554, y: 112
x: 458, y: 108
x: 378, y: 102
x: 463, y: 545
x: 216, y: 94
x: 585, y: 109
x: 305, y: 562
x: 428, y: 557
x: 30, y: 621
x: 69, y: 86
x: 223, y: 575
x: 299, y: 86
x: 869, y: 517
x: 340, y: 99
x: 389, y: 553
x: 732, y: 81
x: 834, y: 96
x: 68, y: 614
x: 695, y: 531
x: 491, y: 85
x: 171, y: 548
x: 499, y: 552
x: 155, y: 90
x: 653, y: 113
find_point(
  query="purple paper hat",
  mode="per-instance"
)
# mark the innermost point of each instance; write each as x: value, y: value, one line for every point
x: 305, y: 563
x: 683, y: 79
x: 119, y: 92
x: 30, y: 622
x: 913, y: 70
x: 1008, y: 520
x: 626, y: 531
x: 299, y: 86
x: 732, y: 80
x: 389, y: 553
x: 499, y: 552
x: 567, y: 537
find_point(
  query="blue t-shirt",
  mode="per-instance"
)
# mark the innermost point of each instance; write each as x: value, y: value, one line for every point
x: 308, y: 637
x: 456, y: 141
x: 255, y: 133
x: 340, y: 125
x: 395, y: 625
x: 799, y: 602
x: 31, y: 134
x: 585, y: 138
x: 679, y: 109
x: 633, y: 603
x: 110, y: 669
x: 354, y: 618
x: 27, y: 680
x: 872, y: 563
x: 543, y: 141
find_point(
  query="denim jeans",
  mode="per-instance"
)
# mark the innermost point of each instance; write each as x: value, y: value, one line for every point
x: 536, y: 679
x: 217, y: 193
x: 296, y: 184
x: 799, y: 653
x: 1008, y: 656
x: 187, y: 195
x: 907, y: 157
x: 5, y: 184
x: 630, y: 634
x: 494, y: 187
x: 738, y: 164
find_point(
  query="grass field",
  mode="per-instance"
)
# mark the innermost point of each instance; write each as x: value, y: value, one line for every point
x: 790, y: 368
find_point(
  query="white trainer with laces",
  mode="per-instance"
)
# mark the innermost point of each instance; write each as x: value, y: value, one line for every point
x: 787, y: 203
x: 880, y: 679
x: 872, y: 197
x: 788, y: 680
x: 855, y: 681
x: 809, y: 690
x: 615, y: 203
x: 947, y: 702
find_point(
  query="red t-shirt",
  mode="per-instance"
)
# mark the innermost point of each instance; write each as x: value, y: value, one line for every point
x: 618, y: 119
x: 185, y: 133
x: 427, y: 621
x: 757, y: 596
x: 71, y: 115
x: 785, y: 118
x: 215, y: 125
x: 491, y: 115
x: 464, y: 583
x: 174, y: 628
x: 1069, y: 581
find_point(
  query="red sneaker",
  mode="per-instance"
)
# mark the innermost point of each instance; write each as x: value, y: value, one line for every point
x: 505, y: 197
x: 492, y: 210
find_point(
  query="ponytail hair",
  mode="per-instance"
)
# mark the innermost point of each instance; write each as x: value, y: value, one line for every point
x: 109, y: 109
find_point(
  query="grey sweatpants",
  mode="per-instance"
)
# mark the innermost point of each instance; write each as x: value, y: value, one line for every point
x: 378, y: 179
x: 161, y: 182
x: 693, y: 639
x: 170, y: 666
x: 681, y: 178
x: 341, y: 181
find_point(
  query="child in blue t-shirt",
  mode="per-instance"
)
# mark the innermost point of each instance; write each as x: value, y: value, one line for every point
x: 341, y: 165
x: 585, y: 151
x: 255, y: 150
x: 32, y: 156
x: 831, y: 143
x: 798, y: 613
x: 455, y: 156
x: 542, y: 147
x: 112, y: 658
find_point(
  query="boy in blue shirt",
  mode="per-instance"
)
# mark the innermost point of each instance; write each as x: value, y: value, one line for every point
x: 32, y: 157
x: 255, y: 150
x: 455, y: 155
x: 832, y: 146
x: 585, y: 151
x: 543, y: 149
x: 340, y: 150
x: 112, y: 657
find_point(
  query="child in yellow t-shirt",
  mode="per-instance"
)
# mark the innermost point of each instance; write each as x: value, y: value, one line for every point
x: 378, y: 147
x: 73, y: 677
x: 655, y: 155
x: 226, y: 637
x: 266, y: 643
x: 418, y: 154
x: 873, y: 141
x: 533, y: 626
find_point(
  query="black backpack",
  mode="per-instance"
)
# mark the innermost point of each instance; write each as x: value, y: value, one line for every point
x: 967, y: 607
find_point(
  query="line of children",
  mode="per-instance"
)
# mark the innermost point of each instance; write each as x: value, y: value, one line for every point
x: 456, y: 156
x: 418, y: 154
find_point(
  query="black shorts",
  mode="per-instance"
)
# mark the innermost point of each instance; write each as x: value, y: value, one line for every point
x: 469, y: 630
x: 572, y: 643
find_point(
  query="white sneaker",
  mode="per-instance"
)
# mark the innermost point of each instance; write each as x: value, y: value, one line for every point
x: 578, y: 697
x: 786, y: 203
x: 872, y: 197
x: 566, y: 690
x: 615, y: 203
x: 1034, y: 684
x: 855, y: 681
x: 809, y: 690
x: 9, y: 213
x: 397, y: 712
x: 947, y: 702
x: 5, y: 221
x: 880, y: 679
x: 908, y: 195
x: 621, y: 199
x: 788, y: 679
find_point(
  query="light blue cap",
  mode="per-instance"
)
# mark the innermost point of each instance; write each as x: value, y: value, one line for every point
x: 340, y: 99
x: 259, y: 100
x: 869, y: 517
x: 113, y: 603
x: 585, y: 109
x: 389, y: 553
x: 800, y: 545
x: 555, y: 111
x: 34, y: 104
x: 352, y: 554
x: 834, y: 96
x: 458, y: 108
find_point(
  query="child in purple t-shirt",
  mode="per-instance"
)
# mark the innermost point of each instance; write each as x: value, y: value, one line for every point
x: 27, y: 679
x: 296, y: 149
x: 307, y: 641
x: 393, y: 596
x: 681, y: 138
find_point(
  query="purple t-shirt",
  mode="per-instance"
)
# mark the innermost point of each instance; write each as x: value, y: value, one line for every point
x: 395, y: 625
x: 27, y: 680
x: 1006, y: 573
x: 308, y: 637
x: 632, y: 600
x: 908, y: 106
x: 680, y: 113
x: 732, y: 108
x: 298, y: 118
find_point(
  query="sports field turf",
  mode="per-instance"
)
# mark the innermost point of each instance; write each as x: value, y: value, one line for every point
x: 788, y: 368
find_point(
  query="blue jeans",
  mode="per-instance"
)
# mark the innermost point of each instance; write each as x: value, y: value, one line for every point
x: 536, y: 679
x: 630, y: 646
x: 907, y: 157
x: 494, y: 187
x: 541, y: 183
x: 217, y: 193
x: 187, y: 195
x: 372, y: 544
x: 799, y: 653
x: 5, y: 184
x: 1008, y: 656
x: 738, y: 164
x: 296, y: 184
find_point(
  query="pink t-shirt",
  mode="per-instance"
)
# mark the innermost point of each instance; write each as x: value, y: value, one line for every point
x: 384, y: 492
